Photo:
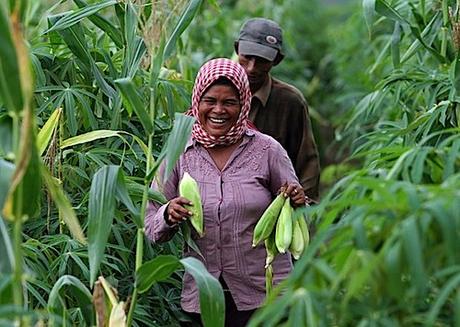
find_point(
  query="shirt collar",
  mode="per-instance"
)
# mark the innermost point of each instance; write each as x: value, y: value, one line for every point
x: 191, y: 142
x: 264, y: 92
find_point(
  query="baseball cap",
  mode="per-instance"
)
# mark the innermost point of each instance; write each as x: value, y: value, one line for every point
x: 260, y: 37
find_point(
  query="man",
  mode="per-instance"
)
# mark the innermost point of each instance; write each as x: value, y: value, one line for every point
x: 277, y: 108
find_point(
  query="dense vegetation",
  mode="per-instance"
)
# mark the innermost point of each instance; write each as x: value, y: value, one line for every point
x: 91, y: 90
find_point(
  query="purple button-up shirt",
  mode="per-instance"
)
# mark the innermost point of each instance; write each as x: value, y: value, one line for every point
x: 233, y: 201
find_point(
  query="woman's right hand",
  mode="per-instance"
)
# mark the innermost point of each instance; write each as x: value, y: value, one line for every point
x: 176, y: 211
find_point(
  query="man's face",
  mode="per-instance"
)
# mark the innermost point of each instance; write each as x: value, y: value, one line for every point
x: 256, y: 68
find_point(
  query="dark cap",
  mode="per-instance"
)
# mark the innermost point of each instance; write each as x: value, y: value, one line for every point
x: 260, y: 37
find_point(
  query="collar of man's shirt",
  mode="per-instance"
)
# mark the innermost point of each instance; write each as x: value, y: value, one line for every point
x: 249, y: 132
x: 264, y: 92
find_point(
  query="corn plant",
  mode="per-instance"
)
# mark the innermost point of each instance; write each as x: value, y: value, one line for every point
x: 386, y: 250
x: 106, y: 103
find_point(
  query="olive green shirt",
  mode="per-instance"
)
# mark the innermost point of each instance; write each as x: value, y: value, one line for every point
x: 280, y: 110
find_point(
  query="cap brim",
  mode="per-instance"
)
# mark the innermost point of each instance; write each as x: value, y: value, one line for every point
x: 247, y: 48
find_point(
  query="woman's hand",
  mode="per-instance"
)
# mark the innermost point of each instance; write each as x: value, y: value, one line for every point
x: 295, y: 192
x: 176, y: 212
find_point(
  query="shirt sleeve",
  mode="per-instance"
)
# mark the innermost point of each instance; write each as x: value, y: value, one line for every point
x: 156, y: 228
x: 281, y: 169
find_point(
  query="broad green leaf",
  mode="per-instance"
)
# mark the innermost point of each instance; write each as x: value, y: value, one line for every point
x: 104, y: 24
x: 156, y: 270
x: 66, y: 212
x: 101, y: 211
x: 134, y: 102
x: 413, y: 249
x: 70, y: 285
x: 212, y: 304
x: 23, y: 200
x: 74, y: 17
x: 177, y: 139
x: 184, y: 21
x: 10, y: 80
x: 6, y: 174
x: 123, y: 196
x: 47, y: 131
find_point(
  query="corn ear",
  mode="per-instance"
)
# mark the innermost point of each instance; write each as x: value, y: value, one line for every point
x: 188, y: 188
x: 283, y: 234
x: 268, y: 280
x: 270, y: 247
x: 297, y: 244
x: 267, y: 222
x: 304, y: 228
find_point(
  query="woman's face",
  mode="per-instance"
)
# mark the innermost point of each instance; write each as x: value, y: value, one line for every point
x: 219, y: 109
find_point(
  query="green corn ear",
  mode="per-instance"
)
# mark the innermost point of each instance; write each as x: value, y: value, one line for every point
x: 297, y: 245
x: 267, y: 222
x: 268, y: 279
x: 305, y: 233
x: 270, y: 247
x: 188, y: 188
x: 283, y: 234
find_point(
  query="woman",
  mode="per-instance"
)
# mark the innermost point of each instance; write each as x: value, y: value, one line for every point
x: 239, y: 172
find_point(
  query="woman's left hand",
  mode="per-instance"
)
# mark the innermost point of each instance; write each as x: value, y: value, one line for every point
x: 296, y: 193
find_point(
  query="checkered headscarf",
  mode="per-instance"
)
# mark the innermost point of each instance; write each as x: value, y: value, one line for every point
x: 207, y: 75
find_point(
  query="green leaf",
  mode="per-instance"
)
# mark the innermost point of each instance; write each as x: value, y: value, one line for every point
x: 6, y: 251
x: 212, y: 303
x: 6, y: 174
x: 47, y: 131
x: 123, y: 196
x: 23, y: 200
x: 10, y: 82
x: 105, y: 25
x: 450, y: 286
x: 70, y: 285
x: 101, y: 211
x: 387, y: 11
x: 156, y: 270
x: 74, y: 17
x: 395, y: 40
x: 369, y: 13
x: 414, y: 254
x: 176, y: 142
x: 134, y: 102
x: 184, y: 21
x: 66, y: 212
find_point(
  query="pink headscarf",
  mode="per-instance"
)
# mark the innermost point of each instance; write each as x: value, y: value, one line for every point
x: 208, y: 74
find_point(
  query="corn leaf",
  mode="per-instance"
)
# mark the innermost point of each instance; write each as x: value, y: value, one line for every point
x: 47, y: 131
x: 10, y: 82
x: 210, y: 292
x: 156, y: 270
x: 65, y: 286
x: 66, y: 212
x: 133, y: 101
x: 101, y: 211
x: 184, y: 21
x: 74, y: 17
